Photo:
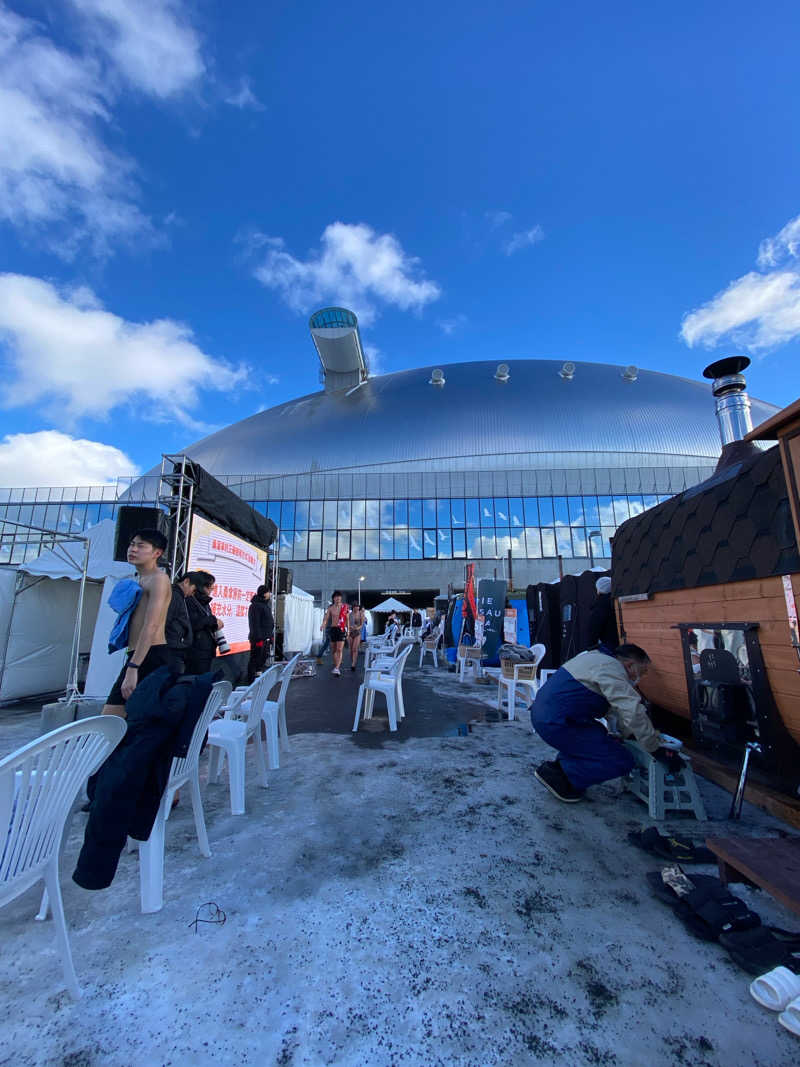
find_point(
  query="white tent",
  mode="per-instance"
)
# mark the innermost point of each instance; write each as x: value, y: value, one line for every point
x: 299, y: 621
x: 391, y: 605
x: 39, y: 603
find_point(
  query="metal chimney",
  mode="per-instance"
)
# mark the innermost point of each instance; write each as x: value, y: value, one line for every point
x: 733, y: 407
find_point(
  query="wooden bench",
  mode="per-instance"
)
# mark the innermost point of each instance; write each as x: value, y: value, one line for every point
x: 773, y: 863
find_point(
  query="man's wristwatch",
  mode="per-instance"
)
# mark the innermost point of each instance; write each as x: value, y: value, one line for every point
x: 132, y: 666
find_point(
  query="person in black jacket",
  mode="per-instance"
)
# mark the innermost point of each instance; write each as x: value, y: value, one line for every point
x: 262, y: 629
x: 601, y: 631
x: 204, y: 624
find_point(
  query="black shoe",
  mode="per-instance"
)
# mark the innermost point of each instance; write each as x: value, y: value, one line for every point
x: 552, y: 777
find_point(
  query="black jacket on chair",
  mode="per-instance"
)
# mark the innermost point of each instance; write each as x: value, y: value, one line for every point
x: 161, y: 713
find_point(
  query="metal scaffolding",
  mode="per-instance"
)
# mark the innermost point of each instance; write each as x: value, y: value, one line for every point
x: 175, y: 495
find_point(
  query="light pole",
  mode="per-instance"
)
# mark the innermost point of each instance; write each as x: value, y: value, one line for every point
x: 594, y: 533
x: 360, y: 580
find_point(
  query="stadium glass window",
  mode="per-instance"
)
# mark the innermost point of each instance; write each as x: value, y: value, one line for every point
x: 488, y: 544
x: 579, y: 548
x: 401, y: 544
x: 415, y: 514
x: 608, y: 532
x: 429, y: 513
x: 473, y: 511
x: 621, y: 510
x: 429, y: 544
x: 473, y: 543
x: 373, y: 516
x: 487, y: 511
x: 343, y: 544
x: 548, y: 541
x: 560, y: 511
x: 533, y: 542
x: 575, y: 507
x: 546, y: 517
x: 359, y: 514
x: 51, y: 517
x: 516, y: 518
x: 287, y: 515
x: 635, y: 504
x: 330, y: 514
x: 531, y: 508
x: 401, y: 517
x: 503, y: 536
x: 286, y: 545
x: 387, y: 515
x: 328, y: 544
x: 301, y: 515
x: 591, y: 511
x: 563, y: 541
x: 649, y: 500
x: 373, y: 545
x: 343, y: 515
x: 387, y: 544
x: 444, y: 544
x: 314, y: 544
x: 415, y: 544
x: 501, y: 511
x: 443, y: 513
x: 315, y: 514
x: 605, y: 511
x: 301, y: 544
x: 274, y: 511
x: 518, y: 549
x: 459, y: 544
x: 457, y: 512
x: 357, y: 544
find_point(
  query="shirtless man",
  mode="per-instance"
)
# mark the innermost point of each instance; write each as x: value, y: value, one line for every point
x: 335, y: 622
x: 147, y: 647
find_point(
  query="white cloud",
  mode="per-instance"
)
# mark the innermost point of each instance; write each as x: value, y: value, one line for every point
x: 524, y: 239
x: 758, y: 311
x: 354, y: 266
x: 150, y: 42
x: 65, y: 350
x: 374, y: 359
x: 497, y: 219
x: 784, y: 245
x: 449, y: 326
x: 48, y: 457
x: 244, y: 97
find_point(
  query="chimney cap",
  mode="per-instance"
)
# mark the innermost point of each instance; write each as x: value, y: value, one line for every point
x: 567, y: 371
x: 729, y: 365
x: 502, y: 373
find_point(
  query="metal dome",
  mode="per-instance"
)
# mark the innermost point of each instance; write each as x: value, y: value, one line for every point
x: 537, y: 417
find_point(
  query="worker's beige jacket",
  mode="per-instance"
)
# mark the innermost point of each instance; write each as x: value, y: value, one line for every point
x: 605, y: 675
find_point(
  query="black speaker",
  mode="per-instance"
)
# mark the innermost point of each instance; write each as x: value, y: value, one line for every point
x: 285, y: 577
x: 129, y: 520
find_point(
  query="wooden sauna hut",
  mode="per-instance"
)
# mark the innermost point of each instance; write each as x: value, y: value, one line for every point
x: 707, y: 584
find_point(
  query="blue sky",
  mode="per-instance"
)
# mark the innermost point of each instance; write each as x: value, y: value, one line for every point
x: 182, y: 183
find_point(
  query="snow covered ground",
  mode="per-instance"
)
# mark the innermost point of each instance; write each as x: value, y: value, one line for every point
x: 389, y: 899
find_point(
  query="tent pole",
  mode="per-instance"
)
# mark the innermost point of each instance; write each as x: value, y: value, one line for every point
x: 72, y: 683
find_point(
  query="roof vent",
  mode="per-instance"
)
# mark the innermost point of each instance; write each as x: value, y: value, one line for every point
x: 630, y: 374
x: 501, y: 374
x: 733, y: 407
x: 437, y: 377
x: 567, y: 371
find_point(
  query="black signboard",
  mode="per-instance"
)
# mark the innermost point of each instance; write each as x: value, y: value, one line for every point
x: 492, y: 605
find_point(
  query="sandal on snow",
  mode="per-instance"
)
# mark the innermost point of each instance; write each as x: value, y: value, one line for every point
x: 680, y: 849
x: 762, y: 948
x: 708, y: 909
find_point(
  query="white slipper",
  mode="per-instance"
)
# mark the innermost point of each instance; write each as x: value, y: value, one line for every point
x: 777, y: 990
x: 790, y: 1018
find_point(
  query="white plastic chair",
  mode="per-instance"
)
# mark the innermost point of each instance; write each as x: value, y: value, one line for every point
x: 469, y: 659
x: 38, y: 786
x: 390, y: 683
x: 183, y: 771
x: 515, y: 676
x: 276, y: 710
x: 229, y: 737
x: 431, y: 644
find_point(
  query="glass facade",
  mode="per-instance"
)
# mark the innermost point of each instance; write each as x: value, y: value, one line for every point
x: 451, y: 528
x: 538, y: 527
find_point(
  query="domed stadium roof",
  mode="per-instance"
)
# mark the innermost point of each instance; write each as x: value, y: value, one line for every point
x: 539, y: 416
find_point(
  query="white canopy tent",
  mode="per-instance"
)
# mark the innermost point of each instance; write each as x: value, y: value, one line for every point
x: 392, y: 605
x: 300, y: 621
x: 53, y: 610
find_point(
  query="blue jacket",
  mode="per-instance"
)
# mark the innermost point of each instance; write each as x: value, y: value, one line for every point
x: 124, y: 598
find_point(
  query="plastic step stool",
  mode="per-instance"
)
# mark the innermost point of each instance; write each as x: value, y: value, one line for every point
x: 662, y: 792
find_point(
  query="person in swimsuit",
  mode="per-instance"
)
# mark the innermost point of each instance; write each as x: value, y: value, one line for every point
x: 147, y: 642
x: 335, y: 622
x: 355, y: 623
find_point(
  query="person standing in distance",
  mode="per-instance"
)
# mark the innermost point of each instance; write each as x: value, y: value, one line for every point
x: 204, y: 625
x: 262, y: 628
x: 355, y: 624
x: 335, y: 621
x: 147, y: 643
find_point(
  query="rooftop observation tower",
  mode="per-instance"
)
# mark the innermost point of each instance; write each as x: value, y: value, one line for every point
x: 338, y: 344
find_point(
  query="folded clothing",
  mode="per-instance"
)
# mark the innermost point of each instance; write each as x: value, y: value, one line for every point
x: 708, y: 909
x: 672, y: 847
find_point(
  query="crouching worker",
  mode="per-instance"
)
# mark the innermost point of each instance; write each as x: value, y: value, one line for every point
x: 589, y: 687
